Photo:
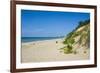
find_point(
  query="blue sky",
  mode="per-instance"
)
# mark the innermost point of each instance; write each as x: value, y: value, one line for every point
x: 49, y: 23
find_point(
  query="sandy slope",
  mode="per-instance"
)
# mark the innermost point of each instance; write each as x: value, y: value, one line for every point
x: 48, y: 50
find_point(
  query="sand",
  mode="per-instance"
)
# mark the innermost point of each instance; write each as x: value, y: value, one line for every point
x: 47, y: 51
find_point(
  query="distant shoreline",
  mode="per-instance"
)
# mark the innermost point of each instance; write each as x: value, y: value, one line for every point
x: 57, y: 39
x: 35, y: 39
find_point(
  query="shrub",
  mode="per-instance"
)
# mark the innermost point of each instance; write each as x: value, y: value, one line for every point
x: 69, y: 41
x: 67, y: 49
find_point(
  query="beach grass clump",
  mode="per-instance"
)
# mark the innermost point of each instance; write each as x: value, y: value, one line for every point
x: 67, y: 49
x: 69, y: 41
x: 69, y: 45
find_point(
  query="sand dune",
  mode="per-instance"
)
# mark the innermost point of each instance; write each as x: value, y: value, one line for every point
x: 49, y: 50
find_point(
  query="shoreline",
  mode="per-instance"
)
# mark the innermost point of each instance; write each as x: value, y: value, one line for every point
x: 43, y: 40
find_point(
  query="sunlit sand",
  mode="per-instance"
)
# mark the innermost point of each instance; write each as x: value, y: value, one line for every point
x: 49, y: 50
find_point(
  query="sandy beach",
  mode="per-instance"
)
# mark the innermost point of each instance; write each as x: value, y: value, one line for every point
x: 48, y: 50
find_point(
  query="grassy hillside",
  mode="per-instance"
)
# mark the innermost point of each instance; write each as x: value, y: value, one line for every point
x: 79, y: 38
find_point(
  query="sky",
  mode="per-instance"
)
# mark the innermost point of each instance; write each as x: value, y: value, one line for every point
x: 49, y: 23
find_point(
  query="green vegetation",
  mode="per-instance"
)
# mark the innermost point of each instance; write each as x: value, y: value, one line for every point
x: 67, y: 49
x: 83, y: 37
x: 82, y: 23
x: 69, y: 41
